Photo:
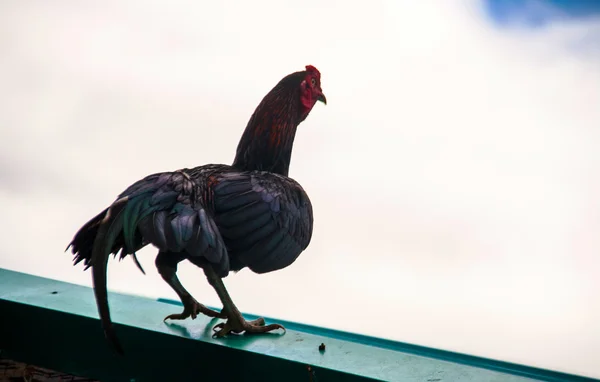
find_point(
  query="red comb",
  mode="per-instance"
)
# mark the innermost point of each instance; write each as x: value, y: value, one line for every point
x: 310, y: 68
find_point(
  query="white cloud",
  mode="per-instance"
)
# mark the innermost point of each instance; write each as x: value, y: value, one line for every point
x: 453, y: 172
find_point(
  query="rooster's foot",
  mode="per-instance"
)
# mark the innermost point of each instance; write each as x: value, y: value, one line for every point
x: 239, y: 324
x: 191, y: 308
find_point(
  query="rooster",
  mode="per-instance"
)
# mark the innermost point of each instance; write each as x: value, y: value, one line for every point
x: 219, y: 217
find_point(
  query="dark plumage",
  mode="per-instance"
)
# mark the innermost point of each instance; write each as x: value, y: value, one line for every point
x: 221, y: 218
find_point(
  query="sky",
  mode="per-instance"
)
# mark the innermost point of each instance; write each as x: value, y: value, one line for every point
x: 453, y: 172
x: 539, y: 13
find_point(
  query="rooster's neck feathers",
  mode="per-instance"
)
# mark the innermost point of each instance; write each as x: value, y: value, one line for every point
x: 266, y: 144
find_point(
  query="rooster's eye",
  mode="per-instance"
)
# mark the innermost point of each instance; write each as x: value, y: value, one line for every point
x: 313, y: 81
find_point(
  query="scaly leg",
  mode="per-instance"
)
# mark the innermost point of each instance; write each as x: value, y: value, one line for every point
x: 235, y: 322
x: 166, y: 262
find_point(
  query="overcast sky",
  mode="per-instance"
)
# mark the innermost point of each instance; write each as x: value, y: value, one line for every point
x: 453, y: 174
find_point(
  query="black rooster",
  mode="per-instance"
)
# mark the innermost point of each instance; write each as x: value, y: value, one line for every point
x: 221, y: 218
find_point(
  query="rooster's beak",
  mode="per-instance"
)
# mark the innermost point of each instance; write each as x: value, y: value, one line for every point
x: 322, y: 98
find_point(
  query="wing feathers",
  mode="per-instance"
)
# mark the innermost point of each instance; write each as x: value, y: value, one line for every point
x: 266, y: 219
x: 162, y: 209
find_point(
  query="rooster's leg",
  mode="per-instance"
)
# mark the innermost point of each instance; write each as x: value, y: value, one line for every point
x: 235, y: 322
x: 166, y: 262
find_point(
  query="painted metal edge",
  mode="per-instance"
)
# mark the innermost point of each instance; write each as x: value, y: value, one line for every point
x: 54, y: 324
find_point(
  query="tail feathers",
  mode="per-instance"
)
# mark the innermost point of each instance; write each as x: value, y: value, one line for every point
x: 110, y: 226
x: 136, y: 262
x: 83, y: 242
x: 161, y: 209
x: 94, y: 242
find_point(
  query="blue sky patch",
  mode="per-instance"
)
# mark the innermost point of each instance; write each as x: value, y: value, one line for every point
x: 538, y: 13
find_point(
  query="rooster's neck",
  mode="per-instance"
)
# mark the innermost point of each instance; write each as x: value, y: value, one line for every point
x: 267, y: 142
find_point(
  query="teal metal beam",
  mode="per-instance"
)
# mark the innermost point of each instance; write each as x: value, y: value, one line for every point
x: 54, y: 324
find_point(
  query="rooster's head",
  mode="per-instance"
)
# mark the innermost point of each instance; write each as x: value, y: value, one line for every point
x: 310, y: 88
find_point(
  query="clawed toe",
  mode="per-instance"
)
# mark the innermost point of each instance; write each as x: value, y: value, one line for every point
x: 255, y: 326
x: 192, y: 308
x: 258, y: 322
x: 176, y: 316
x: 211, y: 313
